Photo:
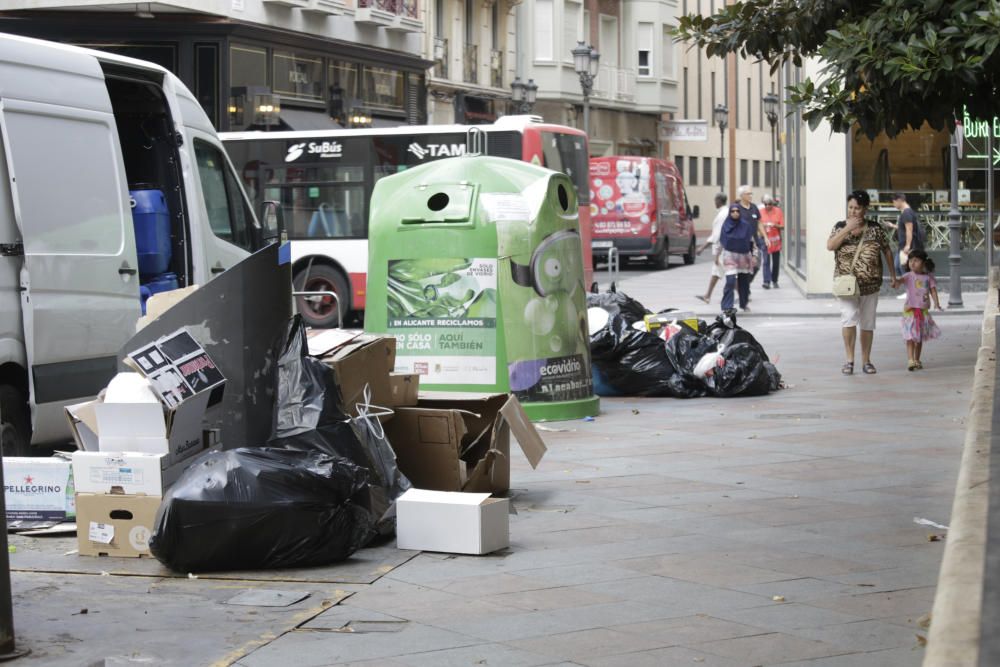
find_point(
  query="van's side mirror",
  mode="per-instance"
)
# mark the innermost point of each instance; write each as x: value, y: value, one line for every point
x: 273, y: 221
x: 696, y: 212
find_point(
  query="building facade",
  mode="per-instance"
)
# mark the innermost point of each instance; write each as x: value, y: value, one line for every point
x: 472, y: 45
x: 636, y: 82
x: 260, y: 64
x: 742, y: 154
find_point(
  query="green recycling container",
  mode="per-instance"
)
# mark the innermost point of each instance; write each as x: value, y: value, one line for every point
x: 475, y: 265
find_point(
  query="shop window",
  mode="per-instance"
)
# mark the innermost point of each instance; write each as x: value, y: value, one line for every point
x: 720, y: 172
x: 383, y: 88
x: 756, y: 173
x: 247, y: 66
x: 744, y: 172
x: 297, y: 76
x: 706, y: 171
x: 693, y: 171
x: 679, y: 163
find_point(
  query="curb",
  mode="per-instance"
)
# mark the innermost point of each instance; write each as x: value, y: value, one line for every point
x: 954, y: 636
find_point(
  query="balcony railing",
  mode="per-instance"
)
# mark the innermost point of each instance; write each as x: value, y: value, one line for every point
x: 615, y: 83
x: 471, y: 64
x: 399, y: 15
x: 441, y: 57
x: 496, y: 68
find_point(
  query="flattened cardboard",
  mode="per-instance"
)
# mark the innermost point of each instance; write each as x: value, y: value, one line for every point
x: 465, y: 523
x: 481, y: 445
x: 115, y: 525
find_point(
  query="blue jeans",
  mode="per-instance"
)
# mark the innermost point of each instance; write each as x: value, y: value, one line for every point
x: 774, y: 259
x: 739, y: 282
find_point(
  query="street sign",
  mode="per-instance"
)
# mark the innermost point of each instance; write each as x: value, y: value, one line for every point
x: 683, y: 130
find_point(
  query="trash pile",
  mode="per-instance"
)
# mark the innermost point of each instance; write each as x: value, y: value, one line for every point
x: 350, y: 439
x: 635, y: 352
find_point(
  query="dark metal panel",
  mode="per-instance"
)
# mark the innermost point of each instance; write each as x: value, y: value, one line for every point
x: 236, y: 317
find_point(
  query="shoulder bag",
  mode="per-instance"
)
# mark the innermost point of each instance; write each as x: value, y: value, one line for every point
x: 847, y: 284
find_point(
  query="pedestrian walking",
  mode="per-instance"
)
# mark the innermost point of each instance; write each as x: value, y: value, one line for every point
x: 859, y: 245
x: 909, y: 236
x: 921, y: 288
x: 718, y: 272
x: 751, y: 214
x: 737, y: 241
x: 773, y: 220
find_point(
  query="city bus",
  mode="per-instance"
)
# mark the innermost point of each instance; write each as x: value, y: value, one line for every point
x: 323, y: 181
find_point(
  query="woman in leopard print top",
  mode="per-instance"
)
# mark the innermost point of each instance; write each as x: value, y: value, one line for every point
x: 859, y: 311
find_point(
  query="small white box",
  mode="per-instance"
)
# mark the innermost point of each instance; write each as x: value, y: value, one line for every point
x: 452, y: 522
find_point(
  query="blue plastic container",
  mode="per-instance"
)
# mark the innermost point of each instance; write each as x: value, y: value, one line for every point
x: 161, y: 283
x: 151, y: 220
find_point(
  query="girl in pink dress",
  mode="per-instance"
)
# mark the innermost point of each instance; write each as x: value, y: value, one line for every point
x: 920, y: 289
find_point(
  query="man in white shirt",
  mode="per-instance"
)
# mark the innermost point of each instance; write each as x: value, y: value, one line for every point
x: 717, y: 271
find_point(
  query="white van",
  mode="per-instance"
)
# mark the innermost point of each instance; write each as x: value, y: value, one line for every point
x: 80, y: 132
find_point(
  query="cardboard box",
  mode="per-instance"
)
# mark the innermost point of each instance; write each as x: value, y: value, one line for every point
x: 366, y: 360
x: 185, y: 380
x: 140, y: 428
x: 128, y: 473
x: 114, y: 524
x: 463, y: 523
x: 38, y: 490
x: 404, y: 388
x: 461, y: 442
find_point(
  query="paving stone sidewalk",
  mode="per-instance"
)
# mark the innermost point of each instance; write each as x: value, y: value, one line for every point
x: 761, y: 531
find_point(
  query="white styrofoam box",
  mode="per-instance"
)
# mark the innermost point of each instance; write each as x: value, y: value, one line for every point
x: 452, y: 522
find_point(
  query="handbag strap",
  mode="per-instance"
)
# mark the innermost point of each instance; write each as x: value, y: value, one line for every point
x: 857, y: 252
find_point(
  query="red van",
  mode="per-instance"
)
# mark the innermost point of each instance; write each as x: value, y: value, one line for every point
x: 638, y: 205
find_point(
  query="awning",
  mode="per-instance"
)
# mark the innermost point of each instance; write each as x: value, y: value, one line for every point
x: 304, y: 119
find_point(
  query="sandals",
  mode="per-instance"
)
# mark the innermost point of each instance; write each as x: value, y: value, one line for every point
x: 919, y: 365
x: 911, y: 365
x: 869, y: 369
x: 848, y: 368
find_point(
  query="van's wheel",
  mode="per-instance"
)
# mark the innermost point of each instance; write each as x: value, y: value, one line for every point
x: 15, y: 427
x: 661, y: 260
x: 691, y: 253
x: 321, y: 311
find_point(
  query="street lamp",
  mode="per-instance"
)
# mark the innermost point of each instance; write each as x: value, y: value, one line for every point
x: 585, y: 62
x: 721, y: 115
x: 524, y: 95
x: 771, y: 111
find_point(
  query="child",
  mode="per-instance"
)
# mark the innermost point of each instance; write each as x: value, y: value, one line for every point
x: 920, y: 289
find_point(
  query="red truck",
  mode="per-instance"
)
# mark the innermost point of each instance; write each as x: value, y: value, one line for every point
x: 638, y: 206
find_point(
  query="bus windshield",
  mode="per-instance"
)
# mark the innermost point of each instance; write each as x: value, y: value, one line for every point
x: 568, y: 153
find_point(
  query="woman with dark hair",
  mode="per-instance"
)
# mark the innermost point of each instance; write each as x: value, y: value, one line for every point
x: 860, y: 246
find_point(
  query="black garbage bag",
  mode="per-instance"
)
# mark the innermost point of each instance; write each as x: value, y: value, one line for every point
x: 630, y: 362
x: 309, y: 417
x: 746, y: 371
x: 684, y: 350
x: 307, y: 394
x: 256, y: 508
x: 616, y: 302
x: 725, y: 330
